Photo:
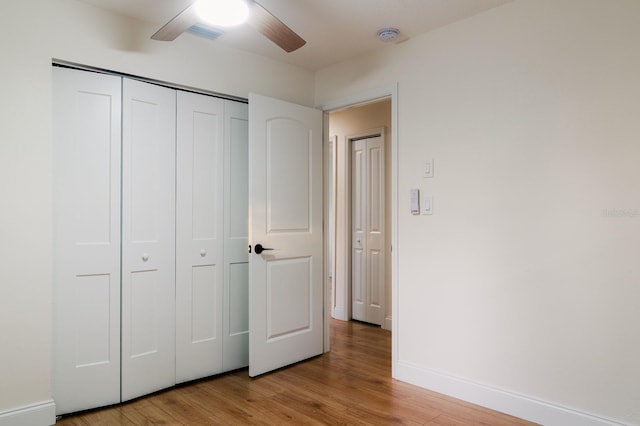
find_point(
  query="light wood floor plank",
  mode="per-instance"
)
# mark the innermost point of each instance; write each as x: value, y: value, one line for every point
x: 351, y: 385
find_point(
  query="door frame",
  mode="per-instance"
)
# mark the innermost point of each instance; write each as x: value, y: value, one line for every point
x: 346, y: 241
x: 330, y: 215
x: 360, y: 99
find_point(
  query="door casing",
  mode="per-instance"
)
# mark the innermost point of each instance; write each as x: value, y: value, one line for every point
x: 363, y: 98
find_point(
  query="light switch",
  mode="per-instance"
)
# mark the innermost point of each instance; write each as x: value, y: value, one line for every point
x: 427, y: 168
x: 415, y: 200
x: 427, y: 204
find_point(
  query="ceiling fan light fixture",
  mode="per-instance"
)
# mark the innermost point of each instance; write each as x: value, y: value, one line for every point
x: 222, y: 13
x: 388, y: 35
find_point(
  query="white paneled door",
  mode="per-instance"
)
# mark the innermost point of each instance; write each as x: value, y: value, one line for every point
x: 368, y: 241
x: 199, y: 236
x: 148, y: 238
x: 285, y: 193
x: 86, y: 162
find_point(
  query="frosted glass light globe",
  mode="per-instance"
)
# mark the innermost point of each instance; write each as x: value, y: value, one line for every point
x: 222, y: 13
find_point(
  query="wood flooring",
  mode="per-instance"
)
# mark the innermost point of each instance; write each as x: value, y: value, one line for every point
x: 351, y: 385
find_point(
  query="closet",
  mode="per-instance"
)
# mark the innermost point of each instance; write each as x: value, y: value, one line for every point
x: 150, y: 223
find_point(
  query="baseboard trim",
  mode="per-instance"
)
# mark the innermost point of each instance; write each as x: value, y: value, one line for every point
x: 387, y: 323
x: 339, y: 313
x: 39, y: 414
x: 521, y: 406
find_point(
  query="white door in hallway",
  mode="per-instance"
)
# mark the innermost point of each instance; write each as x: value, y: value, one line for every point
x: 368, y: 240
x: 148, y: 238
x: 285, y: 187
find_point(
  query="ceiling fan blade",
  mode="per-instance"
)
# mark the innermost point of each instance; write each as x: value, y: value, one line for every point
x: 179, y: 24
x: 273, y: 28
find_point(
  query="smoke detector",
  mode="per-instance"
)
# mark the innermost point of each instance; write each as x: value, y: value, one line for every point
x: 388, y: 35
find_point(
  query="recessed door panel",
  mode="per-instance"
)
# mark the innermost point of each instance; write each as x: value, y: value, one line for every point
x: 206, y: 153
x: 376, y: 189
x: 359, y: 187
x: 143, y: 296
x: 238, y: 299
x: 287, y: 280
x: 376, y: 287
x: 144, y: 197
x: 93, y: 320
x: 92, y: 160
x: 238, y: 174
x: 204, y: 304
x: 288, y: 180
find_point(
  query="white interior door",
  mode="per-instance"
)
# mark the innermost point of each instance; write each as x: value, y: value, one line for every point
x: 368, y: 241
x: 236, y: 262
x: 148, y: 238
x: 199, y: 235
x: 285, y: 193
x: 86, y: 161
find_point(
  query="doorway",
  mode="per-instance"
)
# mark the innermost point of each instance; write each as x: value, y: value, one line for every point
x: 345, y: 126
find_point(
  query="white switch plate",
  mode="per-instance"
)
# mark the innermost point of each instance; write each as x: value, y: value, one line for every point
x: 427, y: 168
x: 427, y: 204
x: 415, y: 200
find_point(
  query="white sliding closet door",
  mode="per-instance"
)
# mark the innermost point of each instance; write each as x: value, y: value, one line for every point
x: 148, y: 238
x: 236, y: 258
x: 86, y: 170
x: 199, y: 236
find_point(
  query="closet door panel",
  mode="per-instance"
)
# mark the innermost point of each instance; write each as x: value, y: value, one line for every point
x: 359, y: 188
x: 236, y: 202
x: 86, y: 162
x: 199, y: 236
x: 148, y: 238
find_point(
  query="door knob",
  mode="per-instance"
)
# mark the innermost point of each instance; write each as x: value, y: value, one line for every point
x: 259, y: 249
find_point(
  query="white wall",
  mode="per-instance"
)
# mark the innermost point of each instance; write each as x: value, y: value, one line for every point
x: 343, y: 124
x: 526, y: 279
x: 31, y: 34
x: 530, y: 111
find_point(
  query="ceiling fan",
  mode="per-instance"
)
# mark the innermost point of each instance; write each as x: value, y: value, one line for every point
x: 258, y: 17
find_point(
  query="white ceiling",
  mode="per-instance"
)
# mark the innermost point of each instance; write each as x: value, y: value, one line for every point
x: 334, y: 29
